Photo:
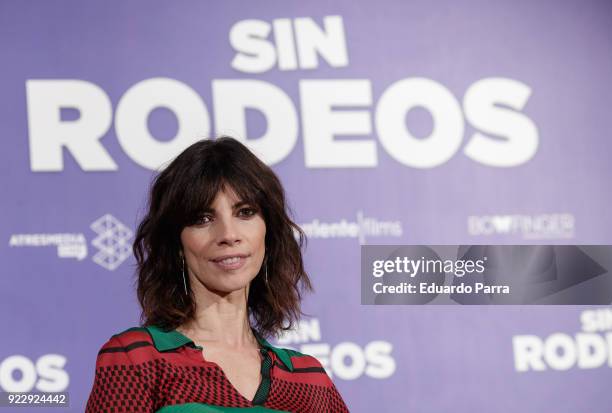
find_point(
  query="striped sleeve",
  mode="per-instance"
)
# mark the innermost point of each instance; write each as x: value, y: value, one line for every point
x: 119, y: 385
x: 333, y: 400
x: 327, y: 400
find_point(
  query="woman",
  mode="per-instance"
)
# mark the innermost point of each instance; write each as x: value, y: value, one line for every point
x: 219, y: 269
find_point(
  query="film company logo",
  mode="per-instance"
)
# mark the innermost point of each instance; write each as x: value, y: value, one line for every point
x: 69, y: 245
x: 535, y: 226
x: 113, y: 242
x: 361, y: 227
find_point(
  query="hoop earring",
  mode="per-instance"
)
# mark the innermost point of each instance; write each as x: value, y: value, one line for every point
x: 184, y: 278
x: 266, y: 274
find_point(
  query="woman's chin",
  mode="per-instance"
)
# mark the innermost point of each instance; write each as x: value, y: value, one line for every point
x: 230, y: 286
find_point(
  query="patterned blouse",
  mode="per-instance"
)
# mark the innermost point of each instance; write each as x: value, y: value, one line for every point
x: 147, y: 370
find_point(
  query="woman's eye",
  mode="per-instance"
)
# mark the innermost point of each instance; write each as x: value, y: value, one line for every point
x: 245, y: 212
x: 203, y: 220
x: 248, y: 211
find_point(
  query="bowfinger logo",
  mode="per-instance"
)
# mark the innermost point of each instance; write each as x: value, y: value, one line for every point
x: 539, y: 226
x: 112, y: 241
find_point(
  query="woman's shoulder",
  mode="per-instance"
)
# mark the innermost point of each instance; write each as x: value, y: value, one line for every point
x: 129, y: 337
x: 294, y: 354
x: 297, y: 362
x: 301, y: 360
x: 120, y: 380
x: 129, y: 346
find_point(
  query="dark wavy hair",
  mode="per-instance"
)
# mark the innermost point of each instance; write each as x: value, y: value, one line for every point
x: 177, y: 197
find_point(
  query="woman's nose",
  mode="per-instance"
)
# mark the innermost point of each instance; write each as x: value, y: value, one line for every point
x: 227, y: 231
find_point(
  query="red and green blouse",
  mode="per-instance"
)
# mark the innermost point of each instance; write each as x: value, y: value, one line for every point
x: 147, y: 370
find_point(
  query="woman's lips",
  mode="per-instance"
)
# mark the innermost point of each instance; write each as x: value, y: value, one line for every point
x: 231, y: 264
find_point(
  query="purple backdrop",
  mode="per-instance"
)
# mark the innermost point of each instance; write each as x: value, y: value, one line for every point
x: 389, y: 123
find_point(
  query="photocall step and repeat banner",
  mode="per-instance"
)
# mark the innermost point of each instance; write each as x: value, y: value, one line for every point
x: 404, y: 132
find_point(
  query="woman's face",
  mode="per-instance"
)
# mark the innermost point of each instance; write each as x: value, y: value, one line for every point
x: 229, y: 229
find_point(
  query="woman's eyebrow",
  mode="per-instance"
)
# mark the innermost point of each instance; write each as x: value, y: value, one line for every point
x: 236, y: 205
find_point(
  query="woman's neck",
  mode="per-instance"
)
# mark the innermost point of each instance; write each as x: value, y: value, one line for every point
x: 222, y: 320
